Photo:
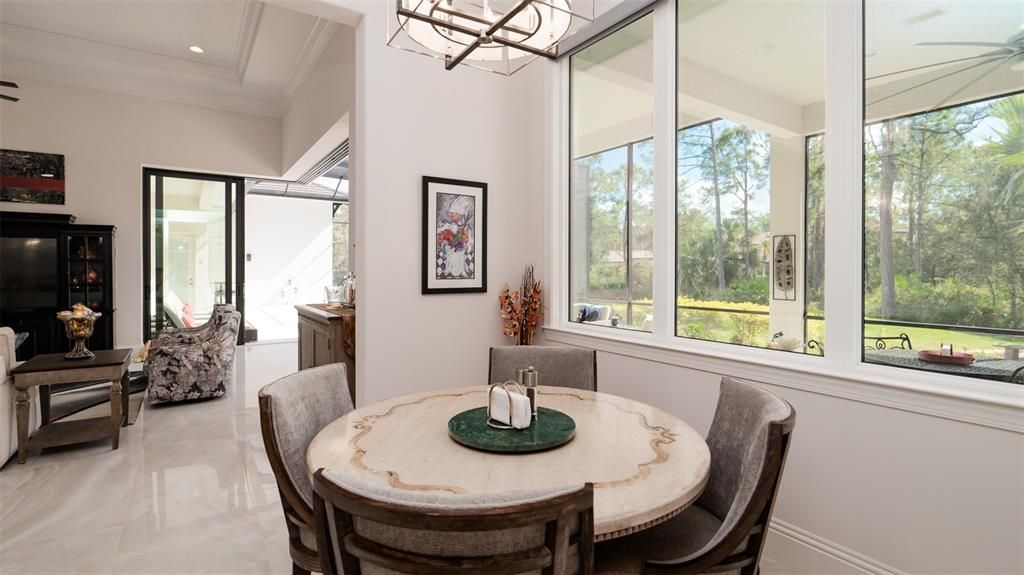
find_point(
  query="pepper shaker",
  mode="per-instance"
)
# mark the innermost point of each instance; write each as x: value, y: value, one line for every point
x: 530, y: 378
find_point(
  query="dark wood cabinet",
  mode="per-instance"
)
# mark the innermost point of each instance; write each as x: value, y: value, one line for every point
x: 72, y: 263
x: 88, y: 277
x: 327, y: 334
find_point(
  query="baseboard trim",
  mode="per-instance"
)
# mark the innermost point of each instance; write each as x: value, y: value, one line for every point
x: 833, y: 550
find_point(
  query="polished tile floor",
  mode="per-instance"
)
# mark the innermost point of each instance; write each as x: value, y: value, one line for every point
x: 189, y: 491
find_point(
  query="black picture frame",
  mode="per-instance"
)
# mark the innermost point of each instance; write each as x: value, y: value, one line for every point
x: 447, y: 267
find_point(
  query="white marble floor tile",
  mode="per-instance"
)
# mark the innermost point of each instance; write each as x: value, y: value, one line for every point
x: 88, y: 552
x: 188, y: 491
x: 188, y: 538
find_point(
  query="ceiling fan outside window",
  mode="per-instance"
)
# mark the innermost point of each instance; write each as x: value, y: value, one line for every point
x: 974, y: 68
x: 13, y: 86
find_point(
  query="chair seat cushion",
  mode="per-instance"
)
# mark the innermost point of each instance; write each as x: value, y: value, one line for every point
x: 678, y: 537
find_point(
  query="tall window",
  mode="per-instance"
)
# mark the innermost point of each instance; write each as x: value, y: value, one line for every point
x: 942, y: 199
x: 943, y: 187
x: 612, y: 180
x: 744, y: 107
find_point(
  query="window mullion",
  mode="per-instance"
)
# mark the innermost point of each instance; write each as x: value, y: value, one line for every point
x: 843, y: 182
x: 664, y: 272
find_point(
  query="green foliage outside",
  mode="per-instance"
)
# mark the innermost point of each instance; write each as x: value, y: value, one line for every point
x: 339, y: 243
x: 943, y: 216
x: 944, y: 228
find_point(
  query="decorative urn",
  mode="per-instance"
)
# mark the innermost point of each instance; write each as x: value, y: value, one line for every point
x: 78, y: 324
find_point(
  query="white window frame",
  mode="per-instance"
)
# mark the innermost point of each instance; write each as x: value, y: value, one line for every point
x: 841, y: 372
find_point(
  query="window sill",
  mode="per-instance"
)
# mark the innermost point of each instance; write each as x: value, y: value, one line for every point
x: 987, y: 403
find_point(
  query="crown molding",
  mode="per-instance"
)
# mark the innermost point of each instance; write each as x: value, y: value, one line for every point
x: 33, y: 44
x: 252, y: 13
x: 316, y: 42
x: 46, y: 56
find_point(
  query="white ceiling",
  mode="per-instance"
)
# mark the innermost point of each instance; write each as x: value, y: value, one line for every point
x: 762, y: 62
x: 255, y: 55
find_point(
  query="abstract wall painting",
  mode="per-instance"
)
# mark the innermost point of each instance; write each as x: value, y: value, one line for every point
x: 454, y: 236
x: 784, y: 267
x: 31, y: 177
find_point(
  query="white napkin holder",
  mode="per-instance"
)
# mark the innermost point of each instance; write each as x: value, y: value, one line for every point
x: 508, y: 407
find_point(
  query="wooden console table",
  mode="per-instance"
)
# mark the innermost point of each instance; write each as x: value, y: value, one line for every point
x: 327, y: 334
x: 52, y: 368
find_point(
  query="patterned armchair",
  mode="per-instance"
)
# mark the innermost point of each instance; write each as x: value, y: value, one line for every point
x: 193, y: 363
x: 198, y: 333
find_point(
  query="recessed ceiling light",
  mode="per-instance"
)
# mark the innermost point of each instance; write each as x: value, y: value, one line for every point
x: 45, y: 175
x: 196, y: 49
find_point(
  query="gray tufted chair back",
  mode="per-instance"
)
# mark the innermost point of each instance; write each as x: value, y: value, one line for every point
x: 562, y: 366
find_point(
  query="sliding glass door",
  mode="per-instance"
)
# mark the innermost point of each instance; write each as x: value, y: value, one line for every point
x: 192, y: 243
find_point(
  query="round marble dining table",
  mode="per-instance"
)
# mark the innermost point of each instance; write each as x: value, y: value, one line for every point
x: 646, y: 465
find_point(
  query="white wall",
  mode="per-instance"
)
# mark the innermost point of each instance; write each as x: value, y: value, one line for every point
x: 106, y: 139
x: 317, y: 117
x: 413, y: 119
x: 901, y: 492
x: 293, y: 264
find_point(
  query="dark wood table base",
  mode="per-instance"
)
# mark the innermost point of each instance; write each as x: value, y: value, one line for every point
x: 50, y: 369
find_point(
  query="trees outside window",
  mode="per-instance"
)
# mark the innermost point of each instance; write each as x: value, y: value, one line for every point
x: 722, y: 231
x: 612, y: 180
x: 943, y: 233
x: 339, y: 242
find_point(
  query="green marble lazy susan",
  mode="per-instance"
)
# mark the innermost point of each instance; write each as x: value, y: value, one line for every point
x: 551, y: 429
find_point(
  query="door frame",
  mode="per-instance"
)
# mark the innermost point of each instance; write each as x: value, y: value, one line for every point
x: 234, y: 244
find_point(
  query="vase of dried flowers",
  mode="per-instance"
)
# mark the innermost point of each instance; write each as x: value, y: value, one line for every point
x: 521, y: 309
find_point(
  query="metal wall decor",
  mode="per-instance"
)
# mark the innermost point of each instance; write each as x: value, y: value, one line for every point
x: 784, y: 267
x: 499, y: 36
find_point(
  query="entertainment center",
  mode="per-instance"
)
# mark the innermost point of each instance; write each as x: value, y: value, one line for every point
x: 49, y: 263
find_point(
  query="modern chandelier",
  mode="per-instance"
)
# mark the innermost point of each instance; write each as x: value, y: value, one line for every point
x: 499, y: 36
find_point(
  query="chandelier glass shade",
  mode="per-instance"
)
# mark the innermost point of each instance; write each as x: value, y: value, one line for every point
x: 498, y: 36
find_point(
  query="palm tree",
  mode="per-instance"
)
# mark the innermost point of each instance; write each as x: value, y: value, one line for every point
x: 1008, y: 144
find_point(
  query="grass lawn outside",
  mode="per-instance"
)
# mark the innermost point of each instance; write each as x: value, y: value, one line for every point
x: 752, y: 329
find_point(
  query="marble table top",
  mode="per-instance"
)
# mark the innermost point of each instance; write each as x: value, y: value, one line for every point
x: 646, y: 465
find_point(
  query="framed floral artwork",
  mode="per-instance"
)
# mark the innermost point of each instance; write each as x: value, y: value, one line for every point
x: 454, y: 236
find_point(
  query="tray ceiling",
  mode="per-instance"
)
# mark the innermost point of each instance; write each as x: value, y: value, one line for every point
x: 255, y: 55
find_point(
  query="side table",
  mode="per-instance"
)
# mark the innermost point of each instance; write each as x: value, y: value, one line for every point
x: 52, y: 368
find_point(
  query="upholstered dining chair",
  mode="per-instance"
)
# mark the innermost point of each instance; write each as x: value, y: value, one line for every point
x: 293, y: 410
x: 724, y: 531
x: 562, y: 366
x: 372, y: 529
